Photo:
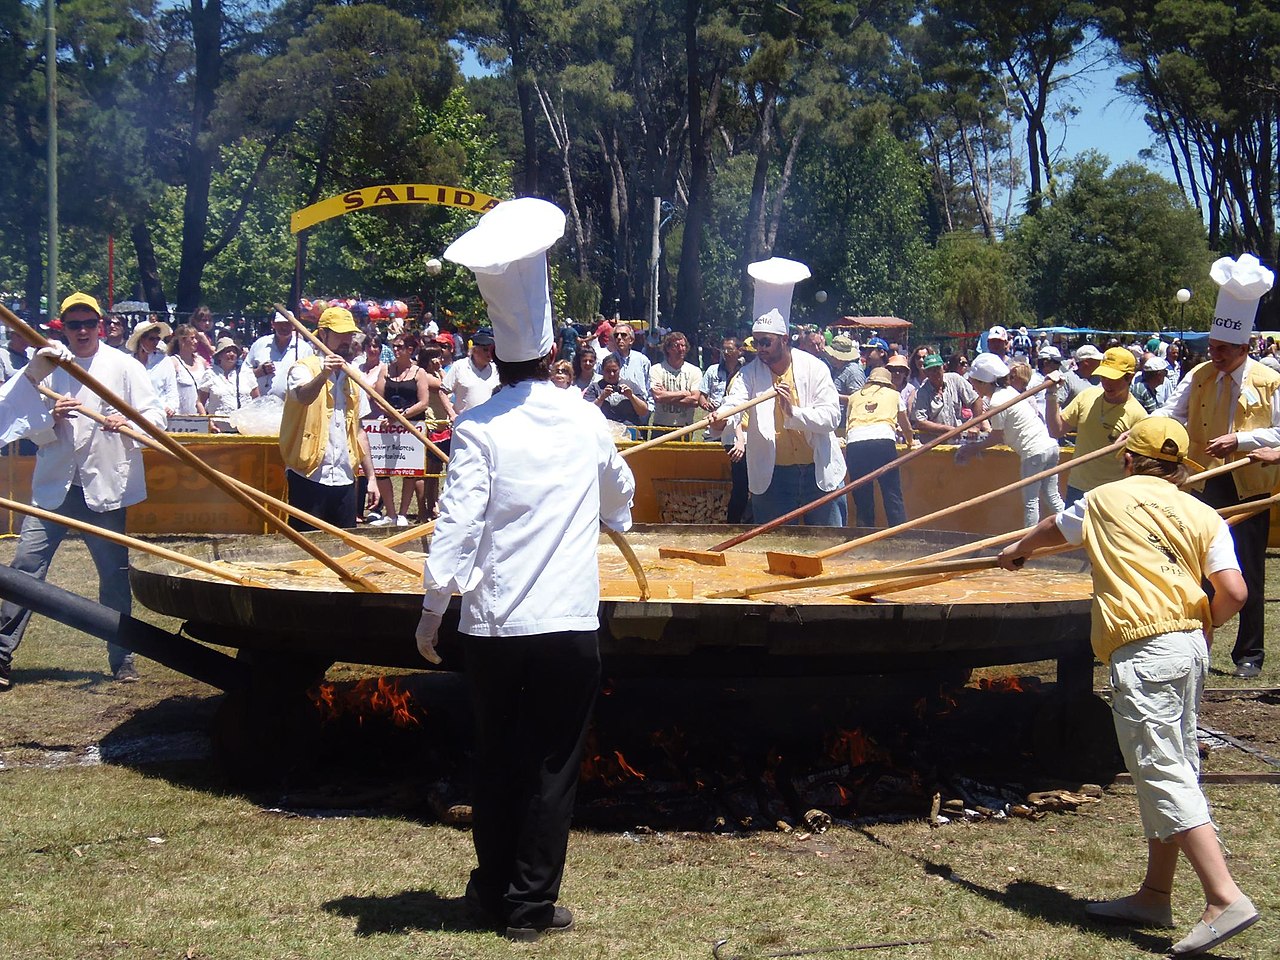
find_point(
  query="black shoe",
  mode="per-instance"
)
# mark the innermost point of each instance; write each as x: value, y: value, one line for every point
x: 125, y: 673
x: 1247, y: 671
x: 485, y: 912
x: 5, y: 680
x: 561, y: 921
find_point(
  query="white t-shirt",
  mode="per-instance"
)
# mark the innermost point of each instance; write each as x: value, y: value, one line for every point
x: 470, y: 386
x: 1024, y: 431
x: 665, y: 377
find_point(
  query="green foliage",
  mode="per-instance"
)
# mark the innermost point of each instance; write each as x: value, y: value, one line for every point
x: 857, y: 216
x: 976, y: 285
x: 1111, y: 249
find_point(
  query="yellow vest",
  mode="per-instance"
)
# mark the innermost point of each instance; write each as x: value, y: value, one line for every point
x: 304, y: 429
x: 874, y: 403
x: 1148, y: 542
x: 1253, y: 412
x: 792, y: 446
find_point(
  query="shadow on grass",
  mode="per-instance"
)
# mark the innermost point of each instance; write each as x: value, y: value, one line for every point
x: 83, y: 679
x: 1034, y: 900
x: 406, y: 911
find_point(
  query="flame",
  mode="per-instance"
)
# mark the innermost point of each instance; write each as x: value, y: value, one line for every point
x: 1001, y: 684
x: 612, y: 771
x: 366, y: 700
x: 855, y: 747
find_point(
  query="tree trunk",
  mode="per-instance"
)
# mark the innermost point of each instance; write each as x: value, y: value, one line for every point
x: 754, y: 231
x: 780, y: 194
x: 148, y: 268
x: 206, y: 28
x: 688, y: 308
x: 527, y: 186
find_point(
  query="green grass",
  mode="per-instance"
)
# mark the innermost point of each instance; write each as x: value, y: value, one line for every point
x: 166, y: 862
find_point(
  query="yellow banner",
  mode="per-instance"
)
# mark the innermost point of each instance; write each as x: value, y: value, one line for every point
x: 367, y: 198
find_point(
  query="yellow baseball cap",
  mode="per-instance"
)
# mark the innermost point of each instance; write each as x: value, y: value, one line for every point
x: 79, y: 300
x: 339, y: 320
x: 1161, y: 438
x: 1116, y: 363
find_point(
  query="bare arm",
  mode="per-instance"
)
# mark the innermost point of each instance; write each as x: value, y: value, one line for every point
x: 1229, y: 595
x: 1045, y: 534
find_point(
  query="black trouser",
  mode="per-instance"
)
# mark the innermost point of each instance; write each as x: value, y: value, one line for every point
x: 336, y: 505
x: 532, y: 698
x: 740, y: 494
x: 1250, y: 537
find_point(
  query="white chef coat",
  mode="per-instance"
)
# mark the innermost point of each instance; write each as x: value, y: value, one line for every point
x: 107, y: 465
x: 532, y: 474
x: 815, y: 410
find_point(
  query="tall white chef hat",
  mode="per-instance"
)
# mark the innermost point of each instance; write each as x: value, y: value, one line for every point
x: 1241, y: 285
x: 507, y: 251
x: 775, y: 278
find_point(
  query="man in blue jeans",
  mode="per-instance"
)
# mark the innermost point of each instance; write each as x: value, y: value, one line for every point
x: 85, y: 471
x: 793, y: 458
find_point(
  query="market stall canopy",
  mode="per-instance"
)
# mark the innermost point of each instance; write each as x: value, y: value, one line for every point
x: 873, y: 323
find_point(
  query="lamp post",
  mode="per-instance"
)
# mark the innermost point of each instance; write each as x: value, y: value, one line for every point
x: 1182, y: 296
x: 433, y: 267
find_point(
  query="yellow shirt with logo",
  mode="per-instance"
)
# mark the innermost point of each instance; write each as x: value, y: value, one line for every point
x: 1098, y: 424
x: 1148, y: 542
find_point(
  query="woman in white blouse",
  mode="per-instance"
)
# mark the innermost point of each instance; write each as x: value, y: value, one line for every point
x: 189, y: 370
x: 228, y: 384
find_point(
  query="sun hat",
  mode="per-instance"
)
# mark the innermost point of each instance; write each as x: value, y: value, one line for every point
x: 1049, y: 353
x: 1155, y: 365
x: 1116, y: 363
x: 225, y: 343
x: 842, y: 348
x: 880, y: 375
x: 998, y: 333
x: 987, y: 368
x: 484, y: 337
x: 876, y: 343
x: 899, y: 361
x: 142, y: 329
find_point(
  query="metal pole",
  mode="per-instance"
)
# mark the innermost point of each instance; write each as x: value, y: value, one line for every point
x: 655, y: 255
x: 51, y: 106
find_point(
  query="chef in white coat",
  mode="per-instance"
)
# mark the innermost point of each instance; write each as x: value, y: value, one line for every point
x: 793, y: 458
x: 533, y: 473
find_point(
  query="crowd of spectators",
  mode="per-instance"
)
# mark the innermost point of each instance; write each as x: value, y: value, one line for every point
x: 648, y: 384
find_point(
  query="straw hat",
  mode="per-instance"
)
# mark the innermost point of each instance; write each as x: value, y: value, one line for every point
x: 225, y: 343
x: 142, y: 329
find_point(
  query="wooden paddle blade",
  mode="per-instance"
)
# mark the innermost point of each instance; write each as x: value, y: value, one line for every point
x: 793, y: 564
x: 658, y: 589
x: 708, y: 558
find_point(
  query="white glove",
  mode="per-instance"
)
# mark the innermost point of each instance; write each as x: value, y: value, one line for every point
x: 428, y: 627
x: 43, y: 363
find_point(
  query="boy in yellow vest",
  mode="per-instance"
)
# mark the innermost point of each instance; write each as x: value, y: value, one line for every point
x: 320, y: 434
x: 1151, y: 548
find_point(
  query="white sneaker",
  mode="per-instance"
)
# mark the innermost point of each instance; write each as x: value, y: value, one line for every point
x: 381, y: 522
x: 402, y: 521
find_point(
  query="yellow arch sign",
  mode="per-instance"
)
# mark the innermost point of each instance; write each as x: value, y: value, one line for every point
x: 367, y: 198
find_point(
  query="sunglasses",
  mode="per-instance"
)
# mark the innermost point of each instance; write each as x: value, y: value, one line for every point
x: 764, y: 341
x: 399, y: 346
x: 79, y: 324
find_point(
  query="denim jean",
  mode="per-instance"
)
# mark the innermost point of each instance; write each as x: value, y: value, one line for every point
x: 789, y: 488
x: 863, y: 457
x: 39, y: 541
x: 1046, y: 489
